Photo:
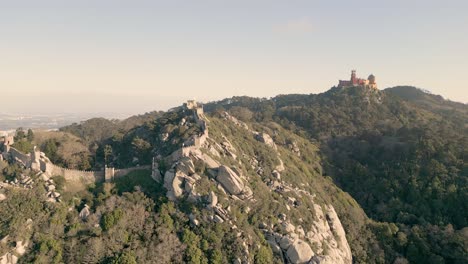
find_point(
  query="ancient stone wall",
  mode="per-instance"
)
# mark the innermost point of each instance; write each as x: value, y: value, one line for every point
x: 18, y: 155
x: 122, y: 172
x: 75, y: 175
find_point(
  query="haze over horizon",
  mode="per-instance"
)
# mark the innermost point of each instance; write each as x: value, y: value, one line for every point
x: 139, y: 56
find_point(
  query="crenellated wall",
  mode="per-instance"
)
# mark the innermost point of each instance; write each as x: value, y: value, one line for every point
x: 75, y: 175
x: 18, y: 155
x: 70, y: 175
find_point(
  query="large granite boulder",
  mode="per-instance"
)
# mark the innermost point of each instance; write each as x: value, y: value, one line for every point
x: 186, y: 166
x: 173, y: 183
x: 21, y: 247
x: 8, y: 258
x: 209, y: 161
x: 329, y: 228
x: 212, y: 200
x: 299, y: 252
x: 84, y: 213
x: 265, y: 138
x: 231, y: 182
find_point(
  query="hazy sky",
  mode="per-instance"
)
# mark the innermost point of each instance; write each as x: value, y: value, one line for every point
x: 136, y: 56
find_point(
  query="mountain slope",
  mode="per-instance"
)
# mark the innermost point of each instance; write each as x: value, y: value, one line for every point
x: 281, y: 180
x: 404, y: 163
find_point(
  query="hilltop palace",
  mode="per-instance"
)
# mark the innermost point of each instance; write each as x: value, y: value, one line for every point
x: 354, y: 81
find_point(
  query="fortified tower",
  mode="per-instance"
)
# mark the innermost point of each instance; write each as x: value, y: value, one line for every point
x: 353, y: 77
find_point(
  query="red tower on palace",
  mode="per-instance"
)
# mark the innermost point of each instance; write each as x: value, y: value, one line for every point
x: 355, y: 81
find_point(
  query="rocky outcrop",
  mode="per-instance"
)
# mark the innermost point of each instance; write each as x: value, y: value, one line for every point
x: 209, y: 161
x: 185, y: 165
x: 12, y: 256
x: 173, y: 183
x: 291, y: 239
x: 84, y: 213
x: 236, y: 121
x: 294, y: 148
x: 266, y: 139
x: 21, y: 247
x: 212, y: 200
x: 230, y: 181
x: 326, y: 234
x: 8, y: 258
x: 299, y: 252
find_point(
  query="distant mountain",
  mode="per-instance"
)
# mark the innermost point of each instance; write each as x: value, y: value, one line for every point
x: 429, y: 101
x: 99, y: 129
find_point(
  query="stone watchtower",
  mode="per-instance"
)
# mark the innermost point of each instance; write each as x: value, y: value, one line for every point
x: 109, y: 174
x: 353, y: 77
x: 35, y: 159
x: 7, y: 142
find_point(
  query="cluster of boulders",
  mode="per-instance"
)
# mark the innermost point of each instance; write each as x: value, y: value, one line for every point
x: 227, y: 148
x: 233, y: 183
x: 18, y: 250
x: 180, y: 180
x: 52, y: 194
x: 299, y: 242
x: 266, y: 139
x: 24, y: 181
x: 294, y: 148
x: 235, y: 121
x: 293, y: 242
x: 326, y: 233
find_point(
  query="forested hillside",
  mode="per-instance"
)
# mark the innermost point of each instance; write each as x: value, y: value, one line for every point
x: 401, y: 153
x: 392, y: 164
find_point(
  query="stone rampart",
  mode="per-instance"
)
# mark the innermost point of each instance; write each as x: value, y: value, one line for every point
x: 18, y: 155
x: 122, y: 172
x: 75, y: 175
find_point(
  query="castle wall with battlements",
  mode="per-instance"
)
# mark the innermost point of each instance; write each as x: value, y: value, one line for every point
x: 70, y: 175
x: 19, y: 156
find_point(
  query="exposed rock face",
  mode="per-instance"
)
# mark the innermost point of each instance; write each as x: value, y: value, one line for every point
x: 2, y: 197
x: 173, y: 183
x: 328, y: 228
x: 290, y: 237
x: 230, y: 180
x: 84, y: 212
x: 209, y: 161
x: 186, y: 166
x: 21, y: 247
x: 265, y: 138
x: 212, y: 200
x: 326, y: 232
x: 299, y: 252
x: 8, y: 258
x: 294, y: 148
x: 280, y: 167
